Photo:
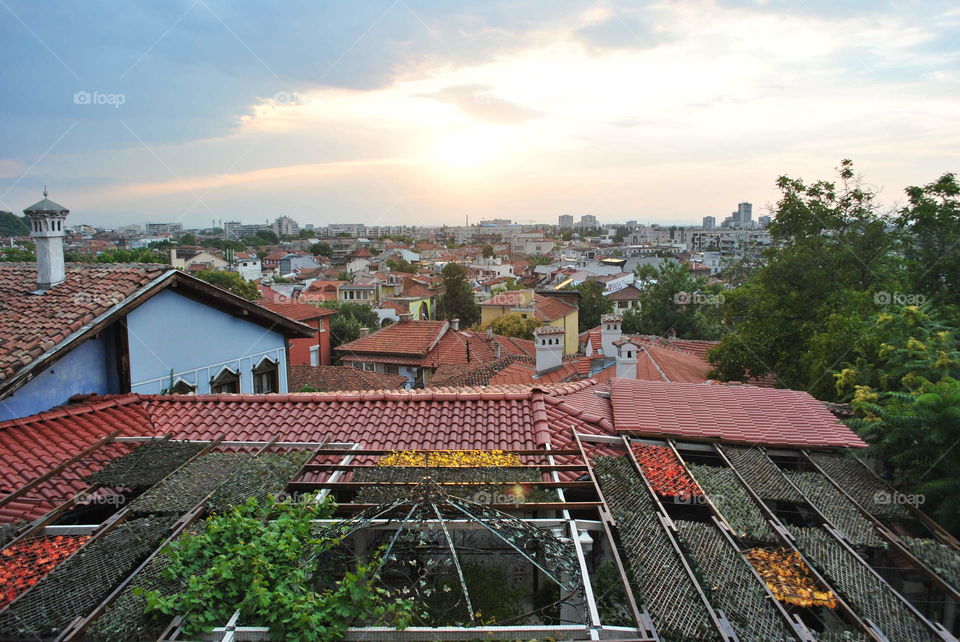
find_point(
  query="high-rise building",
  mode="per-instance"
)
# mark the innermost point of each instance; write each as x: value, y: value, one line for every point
x: 764, y: 221
x: 285, y: 226
x: 709, y: 222
x: 153, y: 229
x: 588, y: 220
x: 565, y: 221
x: 230, y: 229
x: 745, y: 214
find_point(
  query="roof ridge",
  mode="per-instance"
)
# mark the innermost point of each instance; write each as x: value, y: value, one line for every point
x: 93, y: 403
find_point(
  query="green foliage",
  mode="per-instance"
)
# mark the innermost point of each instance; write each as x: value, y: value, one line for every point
x: 16, y: 255
x: 310, y: 388
x: 400, y: 238
x: 932, y: 244
x: 350, y: 318
x: 222, y: 244
x: 799, y: 312
x: 593, y: 304
x: 632, y: 321
x: 489, y: 595
x: 13, y: 225
x: 675, y: 300
x: 918, y: 432
x: 230, y: 281
x: 539, y: 259
x: 321, y: 249
x: 513, y: 325
x: 400, y: 264
x: 263, y: 560
x: 508, y: 285
x: 610, y: 595
x: 457, y: 301
x: 187, y: 239
x: 343, y: 275
x: 140, y: 255
x: 488, y: 251
x: 621, y: 233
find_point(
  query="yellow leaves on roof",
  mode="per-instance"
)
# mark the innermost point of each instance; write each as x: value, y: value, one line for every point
x: 450, y: 458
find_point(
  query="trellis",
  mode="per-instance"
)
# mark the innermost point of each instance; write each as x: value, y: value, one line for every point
x: 26, y: 562
x: 732, y: 501
x: 867, y: 592
x: 664, y: 471
x: 939, y: 557
x: 147, y: 464
x: 789, y: 578
x: 662, y: 582
x: 505, y: 483
x: 257, y: 477
x: 77, y: 585
x: 836, y: 507
x: 872, y: 494
x: 731, y: 585
x: 183, y: 489
x: 764, y: 477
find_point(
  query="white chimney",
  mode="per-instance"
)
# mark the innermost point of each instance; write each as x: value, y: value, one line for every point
x: 454, y: 324
x: 46, y: 228
x: 548, y: 340
x: 626, y: 351
x: 609, y: 332
x: 364, y: 332
x: 406, y: 317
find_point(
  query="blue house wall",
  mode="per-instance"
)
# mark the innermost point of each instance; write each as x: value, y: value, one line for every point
x: 171, y: 332
x: 87, y: 369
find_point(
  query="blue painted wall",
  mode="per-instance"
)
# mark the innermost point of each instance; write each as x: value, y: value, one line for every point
x: 84, y: 370
x: 195, y: 341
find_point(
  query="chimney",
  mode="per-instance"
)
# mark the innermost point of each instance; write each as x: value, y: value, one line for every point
x: 609, y: 333
x: 455, y: 324
x: 548, y: 340
x: 496, y: 350
x: 364, y: 332
x: 406, y: 317
x: 626, y: 351
x: 46, y: 229
x: 490, y: 333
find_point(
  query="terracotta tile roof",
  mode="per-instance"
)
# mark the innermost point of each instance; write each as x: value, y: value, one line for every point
x: 629, y: 293
x: 298, y: 311
x: 31, y: 324
x: 416, y: 290
x: 548, y: 308
x: 401, y: 308
x: 333, y: 378
x: 477, y: 373
x: 732, y: 413
x: 453, y: 348
x: 411, y: 338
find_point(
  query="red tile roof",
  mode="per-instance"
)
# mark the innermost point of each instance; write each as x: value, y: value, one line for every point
x: 453, y: 348
x: 731, y: 413
x: 298, y: 311
x: 548, y: 308
x: 416, y: 291
x: 332, y: 378
x: 31, y: 324
x: 410, y: 338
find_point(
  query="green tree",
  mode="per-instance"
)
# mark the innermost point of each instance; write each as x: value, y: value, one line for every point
x: 457, y: 300
x: 632, y: 322
x: 350, y: 318
x: 510, y: 284
x: 593, y: 304
x: 230, y: 281
x: 488, y: 251
x: 187, y: 239
x: 800, y: 312
x: 621, y: 233
x: 16, y: 255
x: 539, y: 259
x: 676, y: 301
x: 513, y: 325
x: 13, y: 225
x: 932, y: 241
x: 321, y: 248
x: 400, y: 264
x: 140, y: 255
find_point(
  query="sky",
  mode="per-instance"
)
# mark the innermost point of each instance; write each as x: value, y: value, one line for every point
x: 406, y: 112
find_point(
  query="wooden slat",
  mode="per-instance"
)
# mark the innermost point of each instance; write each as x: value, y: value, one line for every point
x: 530, y: 506
x: 560, y: 467
x: 369, y: 451
x: 356, y: 485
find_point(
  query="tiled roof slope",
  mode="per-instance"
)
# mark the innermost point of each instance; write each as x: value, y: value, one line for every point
x: 297, y: 311
x: 410, y: 338
x: 664, y: 364
x: 31, y: 324
x: 342, y: 378
x: 478, y: 373
x: 739, y: 414
x: 548, y: 308
x: 453, y: 348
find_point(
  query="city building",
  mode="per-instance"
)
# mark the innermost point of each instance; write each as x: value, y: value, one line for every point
x: 565, y: 221
x: 231, y: 230
x: 745, y: 214
x: 156, y: 229
x: 285, y: 226
x: 709, y: 222
x: 557, y: 308
x: 588, y: 221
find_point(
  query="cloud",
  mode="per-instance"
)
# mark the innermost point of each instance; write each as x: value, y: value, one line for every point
x: 478, y: 101
x: 618, y: 30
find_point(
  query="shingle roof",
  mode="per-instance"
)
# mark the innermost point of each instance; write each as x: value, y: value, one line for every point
x: 416, y: 291
x: 453, y: 348
x: 333, y: 378
x: 741, y: 414
x: 548, y: 308
x: 411, y: 338
x: 31, y: 324
x: 298, y: 311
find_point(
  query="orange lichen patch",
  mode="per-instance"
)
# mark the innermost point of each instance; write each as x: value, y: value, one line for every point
x: 789, y: 578
x: 25, y: 563
x: 450, y: 458
x: 665, y: 472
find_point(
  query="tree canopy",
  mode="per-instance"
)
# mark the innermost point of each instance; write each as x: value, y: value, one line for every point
x: 457, y: 300
x: 230, y: 281
x: 593, y: 304
x: 513, y: 325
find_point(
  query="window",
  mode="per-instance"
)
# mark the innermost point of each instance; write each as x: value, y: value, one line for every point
x: 183, y: 387
x: 266, y: 377
x: 227, y: 382
x: 314, y: 355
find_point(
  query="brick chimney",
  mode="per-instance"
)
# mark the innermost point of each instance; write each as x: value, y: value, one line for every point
x: 548, y: 340
x: 46, y: 229
x: 610, y: 332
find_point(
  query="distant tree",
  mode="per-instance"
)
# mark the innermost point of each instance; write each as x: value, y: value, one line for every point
x: 310, y: 388
x: 488, y: 251
x: 400, y: 238
x: 139, y: 255
x: 632, y: 322
x: 593, y: 304
x: 16, y: 255
x: 513, y: 325
x: 282, y: 279
x: 230, y: 281
x: 646, y: 273
x: 400, y: 264
x: 165, y: 244
x: 361, y: 312
x: 187, y: 239
x: 343, y: 330
x: 305, y: 234
x: 343, y: 275
x: 457, y: 301
x: 13, y: 225
x: 321, y: 249
x: 510, y: 284
x: 224, y: 244
x: 344, y: 235
x: 677, y: 301
x: 622, y: 232
x: 539, y: 259
x: 264, y: 237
